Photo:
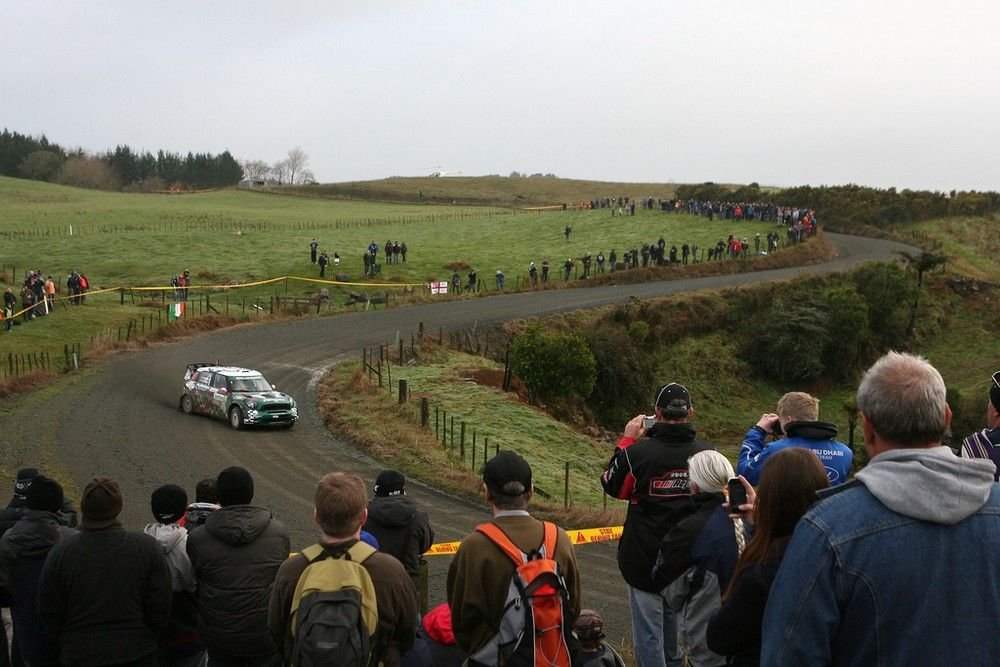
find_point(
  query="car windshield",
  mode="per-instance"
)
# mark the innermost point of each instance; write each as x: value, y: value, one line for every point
x: 249, y: 384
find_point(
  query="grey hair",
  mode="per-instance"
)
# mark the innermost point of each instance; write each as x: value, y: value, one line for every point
x: 903, y: 397
x: 514, y: 496
x: 710, y: 470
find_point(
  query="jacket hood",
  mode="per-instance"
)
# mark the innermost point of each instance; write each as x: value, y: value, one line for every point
x: 811, y: 430
x: 929, y: 484
x: 393, y: 511
x: 169, y: 535
x: 238, y: 524
x: 36, y: 533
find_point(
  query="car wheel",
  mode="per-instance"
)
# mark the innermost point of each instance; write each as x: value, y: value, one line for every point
x: 187, y: 405
x: 236, y: 418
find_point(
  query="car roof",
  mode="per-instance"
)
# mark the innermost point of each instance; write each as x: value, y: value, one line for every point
x: 232, y: 371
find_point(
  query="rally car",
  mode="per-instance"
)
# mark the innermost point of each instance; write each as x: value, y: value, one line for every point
x: 239, y: 395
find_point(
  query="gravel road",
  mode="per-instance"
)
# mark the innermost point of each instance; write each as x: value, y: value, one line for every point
x: 121, y: 418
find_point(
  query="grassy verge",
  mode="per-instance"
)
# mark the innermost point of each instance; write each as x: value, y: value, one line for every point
x: 966, y: 241
x: 463, y: 387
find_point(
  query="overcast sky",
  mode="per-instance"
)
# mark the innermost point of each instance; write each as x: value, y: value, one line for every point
x: 875, y: 92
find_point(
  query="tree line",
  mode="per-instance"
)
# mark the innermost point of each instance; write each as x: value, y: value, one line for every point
x: 122, y: 168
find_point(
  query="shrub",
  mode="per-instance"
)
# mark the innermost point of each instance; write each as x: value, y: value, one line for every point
x: 552, y: 363
x: 847, y: 326
x: 888, y: 294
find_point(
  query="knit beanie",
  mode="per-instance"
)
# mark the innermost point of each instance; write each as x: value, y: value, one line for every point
x: 234, y: 486
x: 45, y: 494
x: 169, y: 503
x: 101, y: 503
x: 389, y: 483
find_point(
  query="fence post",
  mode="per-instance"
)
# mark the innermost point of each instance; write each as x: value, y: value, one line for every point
x: 461, y: 441
x: 452, y: 442
x: 400, y: 351
x: 473, y: 449
x: 121, y: 291
x: 402, y: 392
x: 566, y: 488
x: 424, y: 411
x: 420, y: 330
x: 444, y: 428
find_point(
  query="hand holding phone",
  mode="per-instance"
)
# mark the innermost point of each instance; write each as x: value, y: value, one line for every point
x: 648, y: 421
x: 737, y: 495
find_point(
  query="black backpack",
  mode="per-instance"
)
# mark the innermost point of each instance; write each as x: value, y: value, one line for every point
x: 334, y: 613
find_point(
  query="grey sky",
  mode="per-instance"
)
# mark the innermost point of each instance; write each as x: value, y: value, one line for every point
x: 875, y: 92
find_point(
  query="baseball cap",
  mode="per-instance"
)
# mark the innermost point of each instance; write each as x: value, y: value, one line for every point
x: 389, y: 483
x: 673, y: 398
x: 507, y: 474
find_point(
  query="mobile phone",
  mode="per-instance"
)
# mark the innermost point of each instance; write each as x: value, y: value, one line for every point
x: 737, y: 495
x: 647, y: 422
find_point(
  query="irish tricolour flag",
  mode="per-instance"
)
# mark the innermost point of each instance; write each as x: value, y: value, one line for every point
x: 175, y: 311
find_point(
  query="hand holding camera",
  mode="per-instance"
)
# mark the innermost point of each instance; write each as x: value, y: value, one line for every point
x: 770, y: 424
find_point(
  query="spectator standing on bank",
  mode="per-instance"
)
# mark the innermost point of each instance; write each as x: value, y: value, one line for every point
x: 545, y: 270
x: 797, y: 419
x: 104, y: 593
x: 340, y: 511
x: 235, y: 556
x: 650, y: 469
x: 324, y: 260
x: 401, y: 528
x: 480, y: 573
x: 22, y: 555
x: 897, y: 566
x: 180, y: 641
x: 985, y: 444
x: 500, y: 279
x: 533, y: 274
x: 313, y: 245
x: 787, y: 490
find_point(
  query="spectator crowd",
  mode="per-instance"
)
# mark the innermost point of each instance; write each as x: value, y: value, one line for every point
x: 784, y: 560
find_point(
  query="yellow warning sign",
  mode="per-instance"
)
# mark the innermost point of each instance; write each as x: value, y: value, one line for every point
x: 577, y: 537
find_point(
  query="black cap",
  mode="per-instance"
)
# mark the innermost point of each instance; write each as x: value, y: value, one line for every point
x: 168, y: 502
x: 44, y: 493
x: 507, y: 474
x: 673, y: 399
x: 234, y: 486
x: 995, y: 392
x: 389, y: 483
x: 23, y: 481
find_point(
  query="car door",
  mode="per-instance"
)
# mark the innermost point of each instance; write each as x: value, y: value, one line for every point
x: 220, y: 394
x: 201, y: 386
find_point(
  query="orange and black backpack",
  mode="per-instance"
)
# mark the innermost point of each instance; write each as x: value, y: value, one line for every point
x: 533, y: 629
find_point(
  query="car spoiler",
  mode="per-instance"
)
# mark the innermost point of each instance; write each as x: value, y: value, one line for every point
x: 191, y: 368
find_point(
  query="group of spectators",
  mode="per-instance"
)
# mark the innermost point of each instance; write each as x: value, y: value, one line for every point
x: 38, y: 296
x: 805, y: 567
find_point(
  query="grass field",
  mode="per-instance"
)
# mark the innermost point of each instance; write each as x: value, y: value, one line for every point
x: 972, y: 244
x: 143, y: 240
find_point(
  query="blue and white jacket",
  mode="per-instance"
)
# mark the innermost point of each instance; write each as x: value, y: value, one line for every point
x: 817, y: 437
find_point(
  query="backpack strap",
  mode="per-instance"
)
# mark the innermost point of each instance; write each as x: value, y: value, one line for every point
x: 499, y: 538
x: 358, y: 553
x: 549, y: 539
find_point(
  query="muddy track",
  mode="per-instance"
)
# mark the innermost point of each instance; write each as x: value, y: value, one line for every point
x: 121, y: 419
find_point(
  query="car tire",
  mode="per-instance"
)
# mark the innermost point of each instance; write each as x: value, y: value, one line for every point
x: 236, y: 418
x: 187, y: 405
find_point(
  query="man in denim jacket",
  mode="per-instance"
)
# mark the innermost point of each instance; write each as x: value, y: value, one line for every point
x: 898, y: 566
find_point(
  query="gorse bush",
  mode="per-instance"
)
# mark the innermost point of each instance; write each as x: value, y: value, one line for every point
x: 553, y: 364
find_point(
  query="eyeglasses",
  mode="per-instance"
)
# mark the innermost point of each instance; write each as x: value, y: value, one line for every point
x: 996, y: 378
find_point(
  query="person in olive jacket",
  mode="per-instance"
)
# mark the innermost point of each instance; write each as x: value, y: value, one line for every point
x: 235, y: 556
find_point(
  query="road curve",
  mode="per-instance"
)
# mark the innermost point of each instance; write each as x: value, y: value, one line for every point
x: 121, y: 418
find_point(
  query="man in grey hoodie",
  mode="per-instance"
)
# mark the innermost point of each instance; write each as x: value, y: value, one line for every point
x: 898, y: 566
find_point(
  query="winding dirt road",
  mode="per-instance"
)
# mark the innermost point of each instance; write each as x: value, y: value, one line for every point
x: 121, y: 419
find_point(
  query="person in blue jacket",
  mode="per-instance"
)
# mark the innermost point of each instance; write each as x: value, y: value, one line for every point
x: 798, y: 420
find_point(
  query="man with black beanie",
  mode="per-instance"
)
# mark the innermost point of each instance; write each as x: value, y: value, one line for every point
x: 104, y: 593
x: 180, y: 642
x: 401, y: 528
x: 22, y: 553
x: 236, y: 555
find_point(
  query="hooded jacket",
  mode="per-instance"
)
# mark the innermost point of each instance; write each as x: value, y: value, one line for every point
x: 235, y: 556
x: 818, y: 437
x: 181, y: 637
x: 22, y: 555
x: 652, y: 474
x: 896, y: 567
x: 402, y: 530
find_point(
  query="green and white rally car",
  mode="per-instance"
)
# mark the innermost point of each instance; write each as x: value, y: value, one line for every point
x: 239, y: 395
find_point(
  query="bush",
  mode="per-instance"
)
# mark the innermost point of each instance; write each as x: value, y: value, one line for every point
x: 888, y: 294
x: 790, y: 348
x: 847, y: 326
x: 553, y: 364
